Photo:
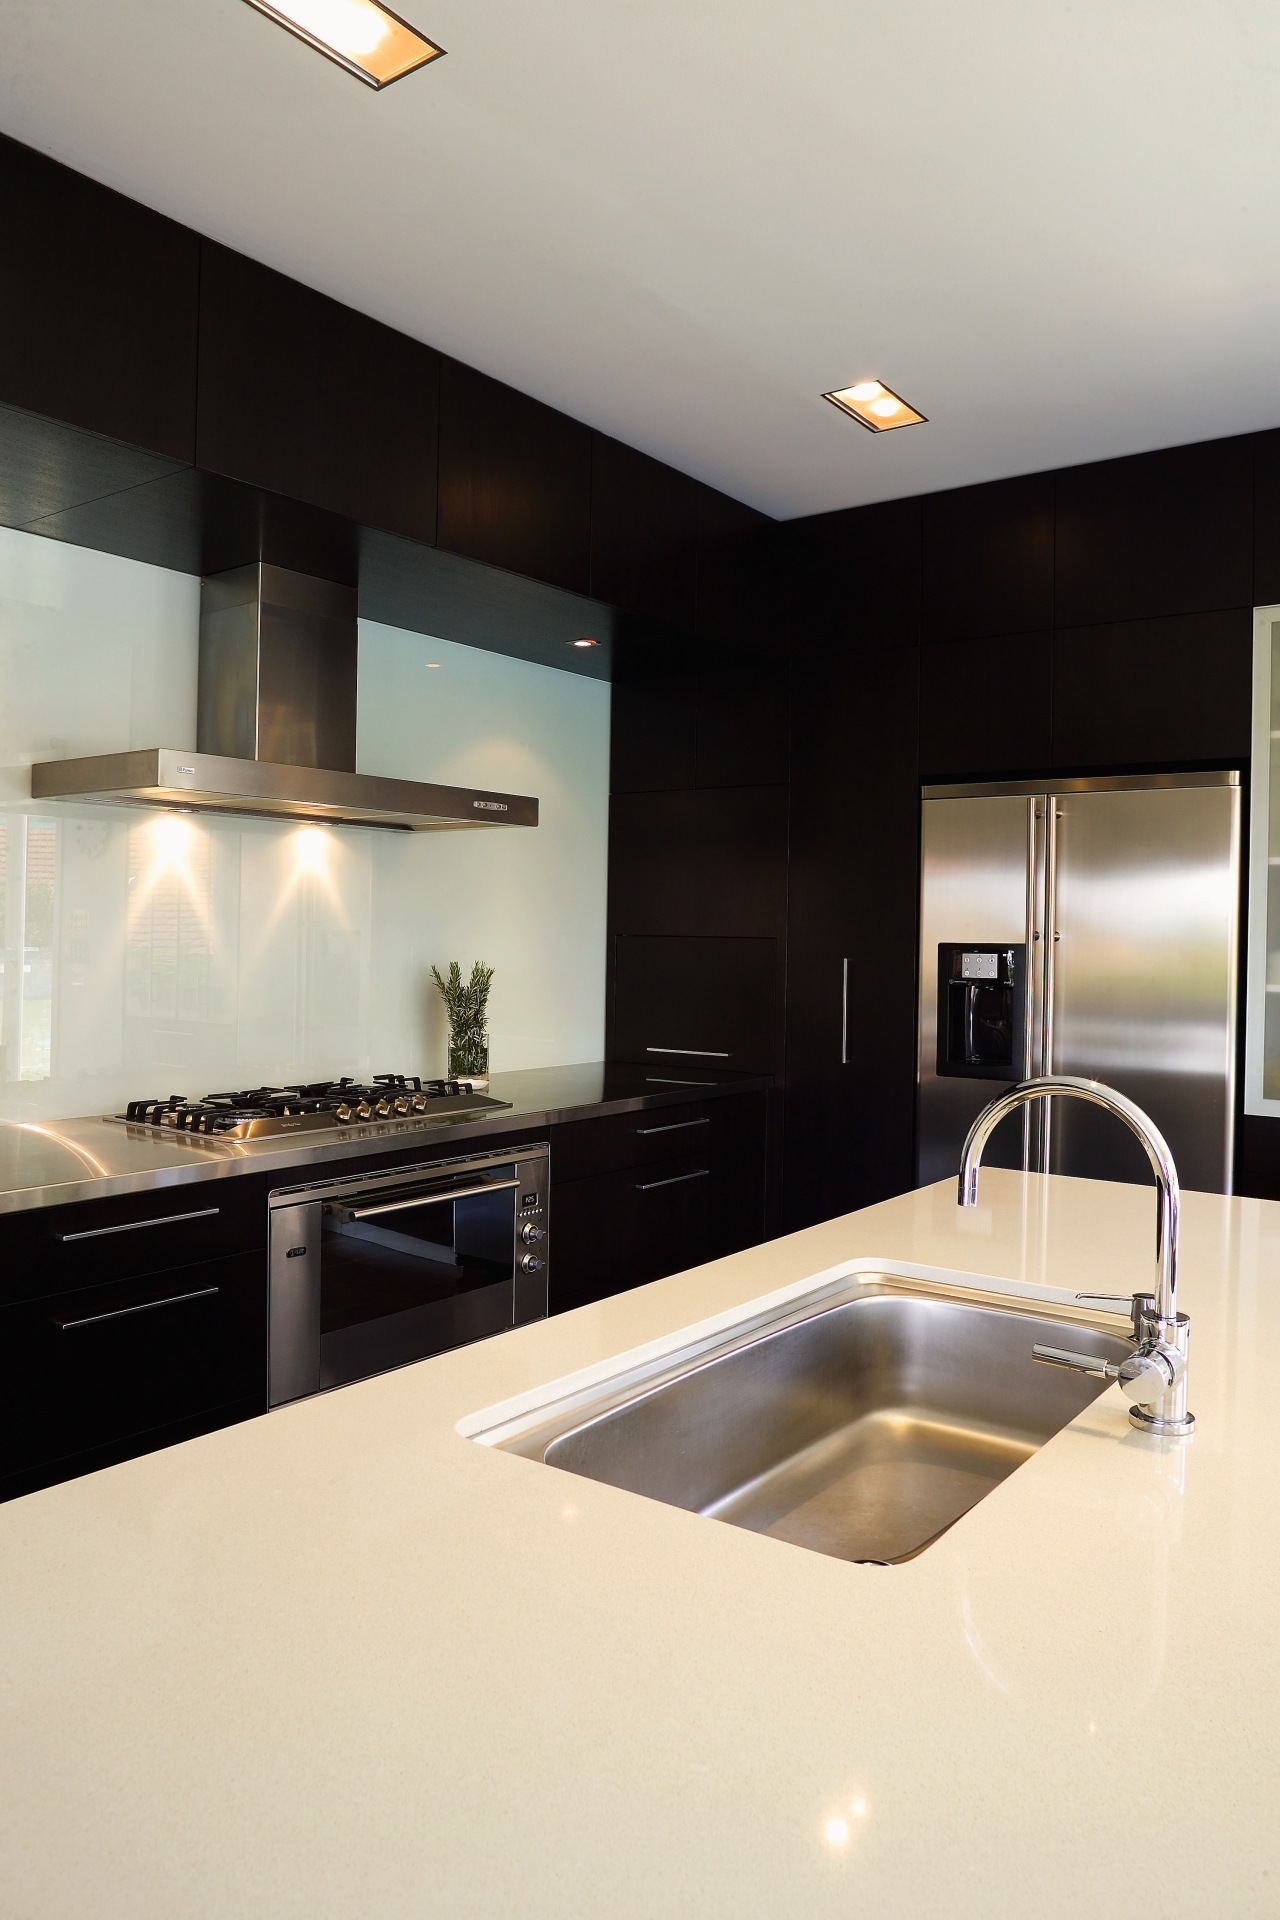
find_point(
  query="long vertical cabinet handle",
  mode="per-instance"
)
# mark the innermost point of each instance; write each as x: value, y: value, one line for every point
x: 844, y: 1011
x: 1029, y: 1117
x: 1049, y: 963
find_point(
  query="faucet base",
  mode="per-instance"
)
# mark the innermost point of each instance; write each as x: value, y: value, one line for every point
x: 1148, y: 1422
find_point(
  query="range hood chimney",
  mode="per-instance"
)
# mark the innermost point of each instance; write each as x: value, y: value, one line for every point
x: 276, y: 723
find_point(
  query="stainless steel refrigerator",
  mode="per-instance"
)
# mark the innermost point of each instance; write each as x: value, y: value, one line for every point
x: 1084, y: 927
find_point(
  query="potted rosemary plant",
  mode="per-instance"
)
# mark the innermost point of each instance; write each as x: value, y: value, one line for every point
x: 467, y: 1005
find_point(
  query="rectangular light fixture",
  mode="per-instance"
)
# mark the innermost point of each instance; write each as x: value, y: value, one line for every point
x: 875, y: 406
x: 360, y: 35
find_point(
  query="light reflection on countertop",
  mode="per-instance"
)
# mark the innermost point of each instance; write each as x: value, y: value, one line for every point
x: 342, y: 1661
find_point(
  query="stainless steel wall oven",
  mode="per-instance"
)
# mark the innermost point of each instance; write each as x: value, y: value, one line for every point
x: 374, y: 1269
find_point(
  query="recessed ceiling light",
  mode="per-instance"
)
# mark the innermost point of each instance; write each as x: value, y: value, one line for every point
x: 875, y: 406
x: 432, y: 663
x: 361, y: 35
x: 583, y: 642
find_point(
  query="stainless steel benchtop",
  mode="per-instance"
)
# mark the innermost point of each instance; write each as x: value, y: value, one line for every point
x: 46, y: 1163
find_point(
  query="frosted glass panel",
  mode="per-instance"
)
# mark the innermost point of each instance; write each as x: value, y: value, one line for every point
x: 146, y: 953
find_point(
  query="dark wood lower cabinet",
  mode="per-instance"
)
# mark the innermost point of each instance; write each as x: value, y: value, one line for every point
x: 107, y: 1371
x: 665, y: 1211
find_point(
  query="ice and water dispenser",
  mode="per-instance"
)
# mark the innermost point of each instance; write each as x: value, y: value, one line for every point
x: 982, y: 1011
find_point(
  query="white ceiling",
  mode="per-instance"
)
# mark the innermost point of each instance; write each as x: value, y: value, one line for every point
x: 1053, y: 225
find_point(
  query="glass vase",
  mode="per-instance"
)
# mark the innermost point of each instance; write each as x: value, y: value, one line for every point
x: 469, y: 1055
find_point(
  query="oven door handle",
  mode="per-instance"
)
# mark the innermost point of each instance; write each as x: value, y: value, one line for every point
x: 422, y: 1199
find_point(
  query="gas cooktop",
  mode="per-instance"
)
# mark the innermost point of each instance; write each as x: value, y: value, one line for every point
x: 262, y: 1112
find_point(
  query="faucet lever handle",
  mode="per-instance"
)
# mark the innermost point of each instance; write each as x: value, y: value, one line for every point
x: 1078, y: 1362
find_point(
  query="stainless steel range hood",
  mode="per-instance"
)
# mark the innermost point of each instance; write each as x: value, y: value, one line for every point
x: 276, y: 724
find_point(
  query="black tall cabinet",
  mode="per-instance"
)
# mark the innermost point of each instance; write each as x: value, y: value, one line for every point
x: 854, y: 828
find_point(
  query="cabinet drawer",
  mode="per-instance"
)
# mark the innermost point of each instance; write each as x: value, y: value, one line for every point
x: 51, y: 1248
x: 619, y: 1230
x: 90, y: 1368
x: 658, y: 1133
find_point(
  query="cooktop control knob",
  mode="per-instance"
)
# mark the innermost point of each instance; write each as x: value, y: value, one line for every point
x: 529, y: 1233
x: 531, y: 1264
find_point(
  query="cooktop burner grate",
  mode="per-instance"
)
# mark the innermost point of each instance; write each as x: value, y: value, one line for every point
x: 258, y: 1112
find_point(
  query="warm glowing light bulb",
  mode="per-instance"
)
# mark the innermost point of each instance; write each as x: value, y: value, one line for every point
x: 837, y: 1831
x: 886, y: 407
x: 342, y: 24
x: 865, y: 390
x: 171, y: 836
x: 311, y: 848
x: 857, y: 1806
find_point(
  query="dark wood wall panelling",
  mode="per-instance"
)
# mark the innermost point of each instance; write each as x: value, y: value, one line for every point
x: 698, y: 816
x: 1094, y: 619
x: 304, y: 397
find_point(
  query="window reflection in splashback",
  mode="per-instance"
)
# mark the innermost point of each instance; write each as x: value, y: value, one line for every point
x: 147, y: 952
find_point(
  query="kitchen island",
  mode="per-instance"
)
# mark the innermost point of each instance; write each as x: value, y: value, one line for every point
x: 341, y: 1660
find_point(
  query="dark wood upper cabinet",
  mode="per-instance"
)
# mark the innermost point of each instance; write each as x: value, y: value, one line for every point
x: 743, y: 739
x: 654, y: 718
x: 985, y: 707
x: 1266, y: 519
x: 1150, y: 692
x: 988, y: 559
x: 99, y: 314
x: 854, y: 568
x: 712, y: 861
x: 1156, y: 534
x: 740, y: 597
x: 644, y: 533
x: 308, y: 398
x: 515, y: 480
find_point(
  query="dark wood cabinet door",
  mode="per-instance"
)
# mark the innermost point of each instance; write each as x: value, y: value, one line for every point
x: 988, y: 560
x: 1155, y: 534
x: 710, y: 861
x: 741, y: 597
x: 515, y: 480
x: 107, y: 1365
x: 644, y: 534
x: 743, y: 737
x: 307, y: 398
x: 99, y: 315
x: 654, y: 715
x: 620, y: 1230
x: 986, y: 707
x: 1150, y: 692
x: 681, y: 1005
x: 851, y: 947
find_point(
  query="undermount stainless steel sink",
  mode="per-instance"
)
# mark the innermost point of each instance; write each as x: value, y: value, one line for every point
x: 862, y: 1428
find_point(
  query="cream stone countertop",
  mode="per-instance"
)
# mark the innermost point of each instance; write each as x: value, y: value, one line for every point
x: 343, y: 1661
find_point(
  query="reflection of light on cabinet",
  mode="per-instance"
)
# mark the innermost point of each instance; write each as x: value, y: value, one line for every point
x: 1262, y: 1028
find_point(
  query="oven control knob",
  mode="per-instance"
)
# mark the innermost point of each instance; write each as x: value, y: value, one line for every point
x: 531, y: 1264
x: 529, y: 1233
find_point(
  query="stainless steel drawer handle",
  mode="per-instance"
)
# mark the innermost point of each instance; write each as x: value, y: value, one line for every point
x: 647, y: 1186
x: 425, y: 1199
x: 676, y: 1126
x: 143, y: 1306
x: 692, y: 1053
x: 136, y: 1226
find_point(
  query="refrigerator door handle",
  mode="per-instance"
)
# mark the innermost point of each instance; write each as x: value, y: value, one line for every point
x: 1052, y: 815
x: 1030, y: 1118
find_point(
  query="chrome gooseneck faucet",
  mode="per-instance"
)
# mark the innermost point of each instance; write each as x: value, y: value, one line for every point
x: 1154, y: 1378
